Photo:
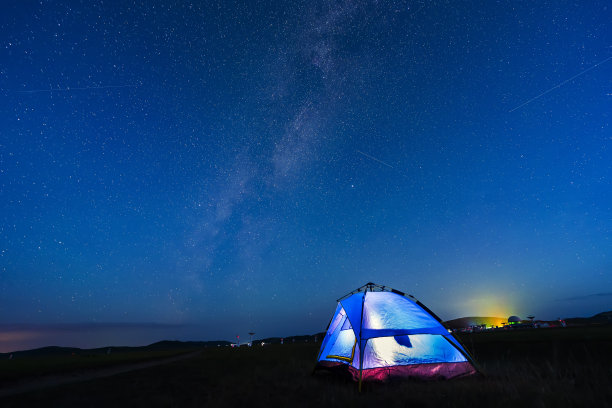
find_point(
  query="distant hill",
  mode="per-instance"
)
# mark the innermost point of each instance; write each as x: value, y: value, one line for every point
x: 176, y: 344
x: 474, y: 321
x: 599, y: 318
x: 308, y: 338
x: 159, y: 346
x: 46, y: 351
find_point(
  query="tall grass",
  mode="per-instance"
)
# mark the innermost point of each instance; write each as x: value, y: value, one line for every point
x: 521, y: 370
x: 27, y: 367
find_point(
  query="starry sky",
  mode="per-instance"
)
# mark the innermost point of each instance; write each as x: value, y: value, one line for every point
x: 198, y: 170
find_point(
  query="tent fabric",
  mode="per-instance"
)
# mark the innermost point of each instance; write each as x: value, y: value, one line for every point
x: 426, y: 348
x: 390, y: 311
x: 332, y: 333
x: 383, y: 334
x: 343, y: 346
x: 353, y: 306
x: 435, y: 371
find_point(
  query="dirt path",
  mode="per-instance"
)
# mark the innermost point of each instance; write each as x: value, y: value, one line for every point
x: 54, y: 380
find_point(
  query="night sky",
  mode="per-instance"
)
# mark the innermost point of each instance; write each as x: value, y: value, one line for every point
x: 194, y: 171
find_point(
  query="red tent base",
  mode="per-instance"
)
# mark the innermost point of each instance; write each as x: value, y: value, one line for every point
x: 433, y: 371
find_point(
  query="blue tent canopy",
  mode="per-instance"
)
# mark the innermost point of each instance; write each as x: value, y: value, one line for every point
x: 377, y: 333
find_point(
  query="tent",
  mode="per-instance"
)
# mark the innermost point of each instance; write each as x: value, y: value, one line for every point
x: 379, y: 333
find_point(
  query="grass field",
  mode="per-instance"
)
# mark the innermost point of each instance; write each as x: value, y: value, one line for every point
x: 64, y: 362
x: 531, y: 368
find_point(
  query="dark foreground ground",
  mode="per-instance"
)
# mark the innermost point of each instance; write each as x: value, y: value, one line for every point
x: 531, y: 368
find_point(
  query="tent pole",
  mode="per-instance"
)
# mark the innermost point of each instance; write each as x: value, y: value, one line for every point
x: 361, y: 346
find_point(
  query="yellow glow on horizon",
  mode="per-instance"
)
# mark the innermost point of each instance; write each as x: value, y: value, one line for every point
x: 491, y: 305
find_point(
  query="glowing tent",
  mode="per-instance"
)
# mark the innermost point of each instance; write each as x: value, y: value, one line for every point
x: 377, y: 333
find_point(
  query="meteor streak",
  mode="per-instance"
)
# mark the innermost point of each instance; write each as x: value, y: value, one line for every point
x: 374, y: 158
x: 559, y: 85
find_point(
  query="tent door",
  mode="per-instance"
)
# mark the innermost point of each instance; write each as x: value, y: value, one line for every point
x: 346, y: 358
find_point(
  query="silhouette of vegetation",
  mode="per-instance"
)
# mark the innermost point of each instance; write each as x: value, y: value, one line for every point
x: 544, y: 367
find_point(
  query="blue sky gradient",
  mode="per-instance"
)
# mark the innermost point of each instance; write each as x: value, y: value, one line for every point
x: 237, y: 166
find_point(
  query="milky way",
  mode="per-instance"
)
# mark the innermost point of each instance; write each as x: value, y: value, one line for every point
x: 198, y: 171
